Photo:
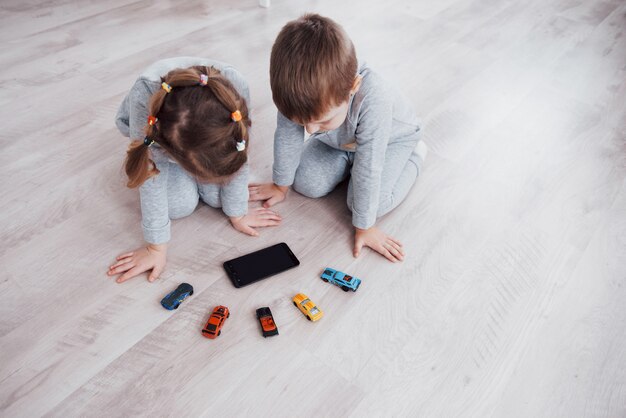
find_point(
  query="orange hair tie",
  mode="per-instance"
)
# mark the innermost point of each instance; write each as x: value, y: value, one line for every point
x: 152, y: 120
x: 236, y: 116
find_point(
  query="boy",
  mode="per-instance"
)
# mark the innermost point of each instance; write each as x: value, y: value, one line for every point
x: 358, y: 127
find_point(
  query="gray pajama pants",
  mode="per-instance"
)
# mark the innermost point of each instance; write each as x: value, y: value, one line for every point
x: 323, y: 167
x: 184, y: 192
x: 174, y: 194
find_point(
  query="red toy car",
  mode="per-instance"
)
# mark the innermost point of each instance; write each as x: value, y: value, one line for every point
x: 213, y: 327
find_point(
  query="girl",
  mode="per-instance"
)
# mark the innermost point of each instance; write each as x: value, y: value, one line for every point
x: 188, y: 118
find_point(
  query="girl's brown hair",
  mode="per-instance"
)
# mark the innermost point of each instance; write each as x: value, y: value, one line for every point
x: 194, y: 127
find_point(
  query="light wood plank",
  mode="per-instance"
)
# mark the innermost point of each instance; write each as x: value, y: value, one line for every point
x: 510, y: 302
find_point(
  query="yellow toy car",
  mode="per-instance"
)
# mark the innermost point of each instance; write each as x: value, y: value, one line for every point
x: 308, y: 308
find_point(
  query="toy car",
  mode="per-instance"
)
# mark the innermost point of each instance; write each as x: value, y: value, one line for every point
x: 341, y: 279
x: 174, y: 298
x: 268, y: 326
x: 308, y: 308
x: 213, y: 327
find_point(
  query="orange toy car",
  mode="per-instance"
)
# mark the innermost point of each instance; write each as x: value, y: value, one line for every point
x: 265, y: 317
x: 213, y: 327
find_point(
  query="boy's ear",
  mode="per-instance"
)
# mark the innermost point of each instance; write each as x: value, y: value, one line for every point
x: 357, y: 84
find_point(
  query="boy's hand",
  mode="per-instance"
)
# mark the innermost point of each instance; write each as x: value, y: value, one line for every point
x: 269, y: 192
x: 258, y: 217
x: 152, y: 257
x: 378, y: 241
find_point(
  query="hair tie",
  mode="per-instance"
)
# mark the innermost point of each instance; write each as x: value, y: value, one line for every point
x: 147, y: 141
x: 152, y: 120
x: 236, y: 116
x: 241, y: 145
x: 166, y: 87
x: 204, y: 79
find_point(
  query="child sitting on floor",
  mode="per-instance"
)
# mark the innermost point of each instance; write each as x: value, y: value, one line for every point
x: 359, y: 128
x: 188, y: 118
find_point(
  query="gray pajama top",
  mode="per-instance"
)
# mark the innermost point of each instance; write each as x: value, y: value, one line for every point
x: 378, y: 116
x: 131, y: 119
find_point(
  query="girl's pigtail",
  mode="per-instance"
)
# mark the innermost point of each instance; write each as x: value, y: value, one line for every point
x: 156, y: 102
x: 237, y: 107
x: 240, y: 130
x: 139, y: 167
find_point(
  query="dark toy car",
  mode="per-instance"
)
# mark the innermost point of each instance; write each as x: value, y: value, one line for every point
x: 173, y: 299
x: 268, y: 326
x: 213, y: 326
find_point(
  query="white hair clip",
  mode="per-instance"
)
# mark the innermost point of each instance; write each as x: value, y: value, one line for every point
x: 204, y: 79
x: 241, y: 145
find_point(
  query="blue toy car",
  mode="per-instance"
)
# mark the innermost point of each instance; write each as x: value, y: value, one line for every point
x: 341, y: 279
x: 173, y: 299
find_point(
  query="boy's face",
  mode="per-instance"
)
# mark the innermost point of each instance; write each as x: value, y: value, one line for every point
x: 335, y: 116
x: 332, y: 119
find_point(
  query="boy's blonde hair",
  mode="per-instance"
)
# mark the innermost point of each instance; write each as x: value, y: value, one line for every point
x: 312, y: 67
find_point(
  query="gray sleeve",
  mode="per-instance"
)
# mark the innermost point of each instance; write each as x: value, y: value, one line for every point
x: 155, y: 219
x: 132, y: 114
x: 372, y: 136
x: 288, y: 146
x: 121, y: 117
x: 239, y: 83
x: 234, y: 194
x: 154, y: 207
x: 138, y: 99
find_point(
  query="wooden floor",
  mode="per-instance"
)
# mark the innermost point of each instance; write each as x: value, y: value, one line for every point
x: 512, y: 299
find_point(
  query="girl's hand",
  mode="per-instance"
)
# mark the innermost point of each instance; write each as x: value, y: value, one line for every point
x: 134, y: 263
x: 258, y: 217
x: 378, y: 241
x: 269, y: 192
